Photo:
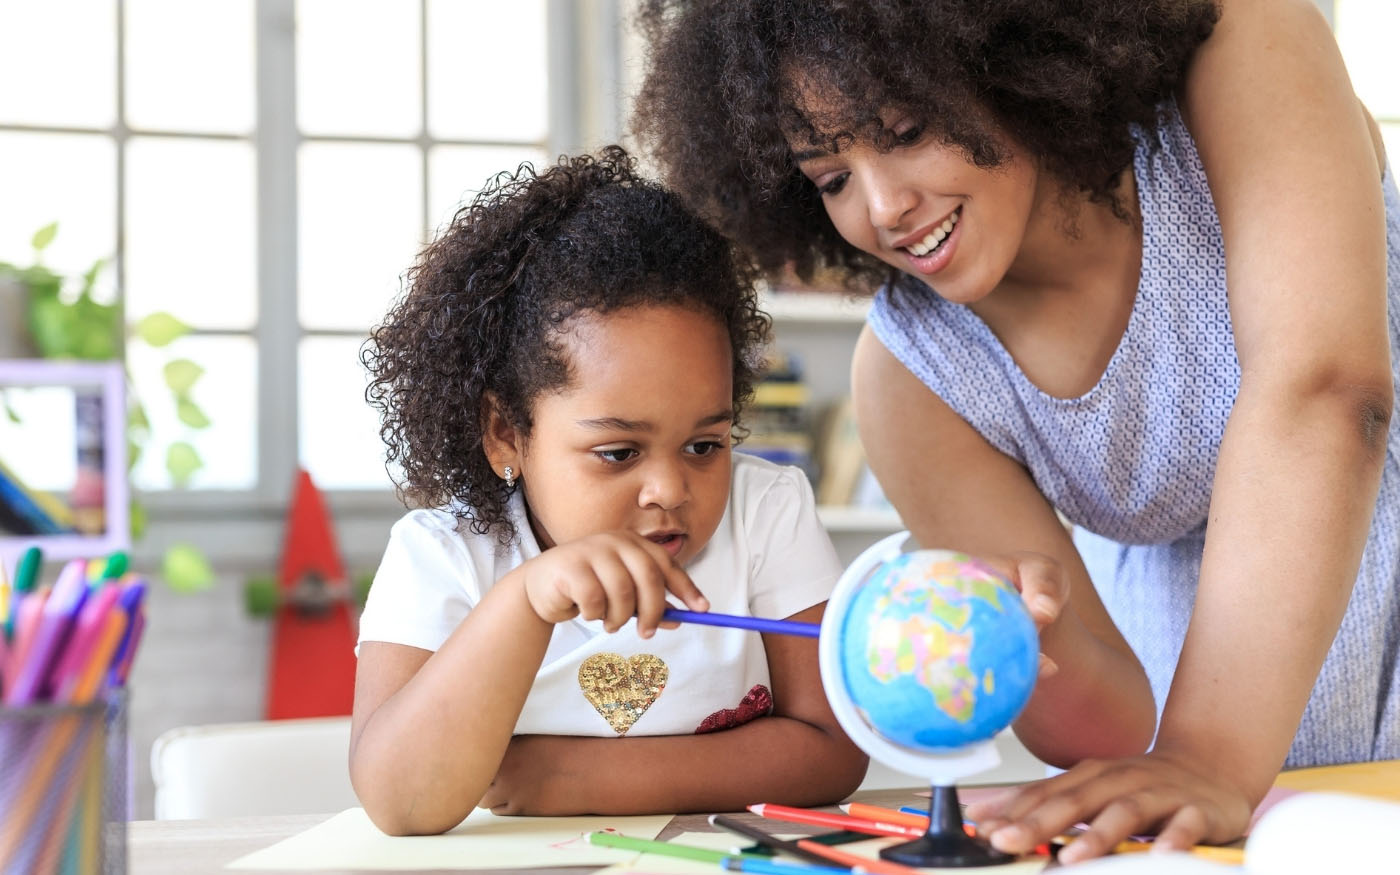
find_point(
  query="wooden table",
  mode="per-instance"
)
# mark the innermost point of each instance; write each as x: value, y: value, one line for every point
x: 189, y: 847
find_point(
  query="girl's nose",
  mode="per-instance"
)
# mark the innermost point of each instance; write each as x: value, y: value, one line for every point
x: 664, y: 486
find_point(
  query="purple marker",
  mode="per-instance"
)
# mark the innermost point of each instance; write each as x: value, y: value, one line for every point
x: 51, y: 634
x: 753, y: 624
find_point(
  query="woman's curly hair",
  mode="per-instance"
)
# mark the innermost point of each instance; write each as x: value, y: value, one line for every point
x: 486, y: 302
x: 1065, y: 79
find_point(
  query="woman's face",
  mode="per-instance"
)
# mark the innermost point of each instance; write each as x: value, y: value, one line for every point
x: 927, y: 210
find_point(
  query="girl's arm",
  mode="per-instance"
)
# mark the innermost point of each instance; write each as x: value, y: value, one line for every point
x: 797, y: 755
x: 1295, y: 176
x: 429, y: 728
x: 956, y: 491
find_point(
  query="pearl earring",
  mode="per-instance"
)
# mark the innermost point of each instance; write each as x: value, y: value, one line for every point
x: 509, y: 476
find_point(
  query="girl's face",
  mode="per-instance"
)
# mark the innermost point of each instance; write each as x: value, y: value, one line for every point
x: 927, y: 210
x: 639, y: 440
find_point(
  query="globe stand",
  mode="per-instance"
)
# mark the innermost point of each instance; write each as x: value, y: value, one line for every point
x: 945, y: 844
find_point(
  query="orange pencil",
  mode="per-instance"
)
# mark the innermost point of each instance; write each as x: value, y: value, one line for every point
x: 886, y: 815
x: 835, y: 821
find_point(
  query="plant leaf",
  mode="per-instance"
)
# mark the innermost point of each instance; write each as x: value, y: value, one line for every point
x: 191, y: 414
x: 44, y: 236
x: 181, y: 460
x: 160, y: 329
x: 136, y: 518
x: 186, y: 570
x: 181, y: 375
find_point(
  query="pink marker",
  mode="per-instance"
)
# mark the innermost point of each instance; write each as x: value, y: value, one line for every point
x: 50, y: 634
x: 88, y: 628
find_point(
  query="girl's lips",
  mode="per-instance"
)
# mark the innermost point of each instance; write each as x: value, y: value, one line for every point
x: 672, y: 542
x: 938, y: 259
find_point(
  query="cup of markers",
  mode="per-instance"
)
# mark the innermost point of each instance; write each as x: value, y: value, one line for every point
x: 65, y: 652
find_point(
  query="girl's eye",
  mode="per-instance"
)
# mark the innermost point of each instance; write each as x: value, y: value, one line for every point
x: 622, y: 454
x: 834, y: 185
x: 704, y: 448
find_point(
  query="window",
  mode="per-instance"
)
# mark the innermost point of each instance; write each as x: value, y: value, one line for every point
x: 265, y: 170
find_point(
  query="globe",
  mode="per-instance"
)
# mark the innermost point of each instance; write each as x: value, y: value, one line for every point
x: 925, y: 656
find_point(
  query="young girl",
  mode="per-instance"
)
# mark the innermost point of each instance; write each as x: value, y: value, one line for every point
x: 561, y: 382
x: 1133, y: 259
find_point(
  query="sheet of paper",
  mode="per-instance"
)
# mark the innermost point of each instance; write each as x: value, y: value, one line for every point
x: 482, y: 841
x: 655, y: 864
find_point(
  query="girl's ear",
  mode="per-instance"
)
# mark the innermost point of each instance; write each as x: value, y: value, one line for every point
x: 501, y: 441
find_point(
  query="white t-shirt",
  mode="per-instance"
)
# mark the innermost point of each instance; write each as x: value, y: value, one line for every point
x: 770, y: 557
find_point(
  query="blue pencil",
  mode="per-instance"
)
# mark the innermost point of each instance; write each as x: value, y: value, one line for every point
x: 766, y: 867
x: 753, y: 624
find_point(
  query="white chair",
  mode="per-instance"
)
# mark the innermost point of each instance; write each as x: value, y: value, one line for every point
x: 239, y: 769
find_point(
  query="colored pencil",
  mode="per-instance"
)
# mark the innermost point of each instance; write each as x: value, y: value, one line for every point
x: 886, y: 815
x: 665, y: 849
x: 752, y: 624
x: 810, y: 850
x: 835, y: 821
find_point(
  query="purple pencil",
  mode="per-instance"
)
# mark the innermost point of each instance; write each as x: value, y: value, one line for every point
x: 734, y: 621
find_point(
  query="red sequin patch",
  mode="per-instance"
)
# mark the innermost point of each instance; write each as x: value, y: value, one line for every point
x: 758, y: 702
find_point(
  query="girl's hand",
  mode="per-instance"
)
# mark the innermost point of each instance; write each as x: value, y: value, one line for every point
x: 1152, y: 793
x: 612, y: 576
x: 1044, y: 587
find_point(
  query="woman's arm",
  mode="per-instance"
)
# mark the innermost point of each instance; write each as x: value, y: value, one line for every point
x: 956, y: 491
x: 1293, y: 170
x: 429, y: 729
x: 1294, y: 174
x: 797, y: 756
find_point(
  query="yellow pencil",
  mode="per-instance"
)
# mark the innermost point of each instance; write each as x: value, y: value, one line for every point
x: 1218, y: 853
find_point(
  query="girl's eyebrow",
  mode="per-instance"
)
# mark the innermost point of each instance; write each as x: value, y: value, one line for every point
x: 615, y: 423
x: 809, y: 155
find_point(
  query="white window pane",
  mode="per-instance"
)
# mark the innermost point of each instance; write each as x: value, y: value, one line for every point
x: 191, y: 247
x: 42, y: 447
x: 457, y: 173
x: 226, y: 393
x: 68, y: 178
x: 487, y: 70
x: 1367, y: 31
x: 359, y: 67
x: 58, y: 63
x: 189, y: 66
x: 360, y: 226
x: 340, y: 442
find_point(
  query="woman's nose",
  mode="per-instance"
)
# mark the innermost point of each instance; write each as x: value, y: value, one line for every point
x: 889, y: 199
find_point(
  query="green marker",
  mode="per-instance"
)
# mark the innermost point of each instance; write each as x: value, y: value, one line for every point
x: 116, y: 566
x: 27, y: 572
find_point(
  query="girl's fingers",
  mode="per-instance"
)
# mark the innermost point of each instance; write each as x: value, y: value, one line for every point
x: 650, y: 590
x: 620, y: 590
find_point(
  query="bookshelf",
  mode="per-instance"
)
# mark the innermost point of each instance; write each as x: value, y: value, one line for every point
x: 821, y: 328
x: 108, y: 379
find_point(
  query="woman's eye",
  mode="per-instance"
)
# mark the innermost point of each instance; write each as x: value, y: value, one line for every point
x: 909, y: 135
x: 704, y: 448
x: 833, y: 185
x: 619, y: 455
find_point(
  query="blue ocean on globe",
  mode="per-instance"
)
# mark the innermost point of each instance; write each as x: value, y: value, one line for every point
x: 938, y: 651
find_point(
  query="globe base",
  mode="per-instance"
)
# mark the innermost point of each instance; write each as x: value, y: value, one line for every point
x: 946, y: 844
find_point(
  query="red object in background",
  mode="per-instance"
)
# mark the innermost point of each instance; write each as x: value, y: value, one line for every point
x: 311, y: 669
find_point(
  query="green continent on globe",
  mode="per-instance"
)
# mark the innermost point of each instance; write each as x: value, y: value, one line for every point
x: 922, y: 631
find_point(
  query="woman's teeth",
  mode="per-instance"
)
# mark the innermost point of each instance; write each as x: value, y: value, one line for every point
x: 930, y: 243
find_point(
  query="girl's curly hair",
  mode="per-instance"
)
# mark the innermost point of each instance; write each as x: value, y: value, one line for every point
x: 485, y: 304
x: 1065, y: 79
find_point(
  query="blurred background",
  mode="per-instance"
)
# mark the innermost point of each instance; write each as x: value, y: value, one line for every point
x: 221, y: 198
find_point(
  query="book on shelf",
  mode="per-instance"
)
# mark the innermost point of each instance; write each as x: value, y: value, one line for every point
x: 839, y: 454
x: 777, y: 419
x: 26, y: 511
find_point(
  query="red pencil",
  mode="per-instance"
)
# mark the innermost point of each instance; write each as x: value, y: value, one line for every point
x: 835, y: 821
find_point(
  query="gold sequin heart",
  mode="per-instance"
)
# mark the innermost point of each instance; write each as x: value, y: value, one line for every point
x: 622, y: 689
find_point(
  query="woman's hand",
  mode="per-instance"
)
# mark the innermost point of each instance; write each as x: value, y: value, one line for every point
x: 1044, y: 587
x: 1152, y: 793
x: 612, y: 576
